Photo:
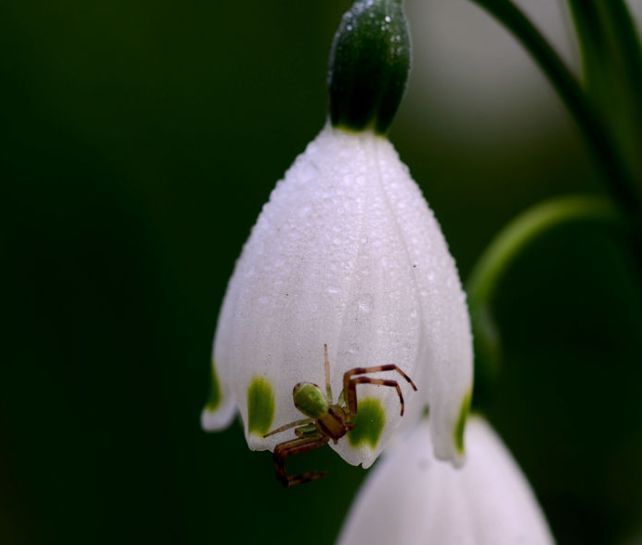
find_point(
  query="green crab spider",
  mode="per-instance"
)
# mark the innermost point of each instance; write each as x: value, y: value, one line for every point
x: 326, y: 420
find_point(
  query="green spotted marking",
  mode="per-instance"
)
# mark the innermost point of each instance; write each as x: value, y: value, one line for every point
x: 460, y: 426
x: 369, y: 423
x: 214, y: 398
x: 260, y: 406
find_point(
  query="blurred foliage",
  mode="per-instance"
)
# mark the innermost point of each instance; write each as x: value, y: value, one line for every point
x: 138, y: 143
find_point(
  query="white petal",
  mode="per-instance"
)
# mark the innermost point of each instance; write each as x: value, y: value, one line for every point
x: 447, y: 344
x: 347, y: 254
x: 413, y: 499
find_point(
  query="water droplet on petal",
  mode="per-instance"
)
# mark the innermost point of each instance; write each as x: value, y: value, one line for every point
x: 365, y: 303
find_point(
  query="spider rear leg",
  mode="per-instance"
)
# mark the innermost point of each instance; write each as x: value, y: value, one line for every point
x: 290, y: 448
x: 350, y: 381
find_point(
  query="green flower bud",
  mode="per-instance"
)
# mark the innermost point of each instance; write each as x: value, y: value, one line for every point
x: 369, y: 65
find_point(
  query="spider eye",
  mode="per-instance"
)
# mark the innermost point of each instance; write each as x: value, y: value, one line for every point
x: 304, y: 386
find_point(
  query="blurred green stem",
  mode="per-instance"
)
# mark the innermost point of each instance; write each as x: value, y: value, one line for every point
x: 511, y: 241
x: 591, y: 124
x: 612, y: 68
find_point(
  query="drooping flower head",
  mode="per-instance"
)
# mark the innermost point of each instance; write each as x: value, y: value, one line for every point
x: 412, y: 499
x: 347, y: 254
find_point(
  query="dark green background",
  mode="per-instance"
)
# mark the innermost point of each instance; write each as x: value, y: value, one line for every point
x: 138, y: 142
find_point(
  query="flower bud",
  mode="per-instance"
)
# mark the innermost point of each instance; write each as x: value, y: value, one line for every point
x: 369, y: 65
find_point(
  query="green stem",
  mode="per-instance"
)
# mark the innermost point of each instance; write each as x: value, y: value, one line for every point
x: 593, y: 46
x: 612, y: 63
x: 626, y: 45
x: 590, y: 123
x: 525, y: 228
x: 502, y: 252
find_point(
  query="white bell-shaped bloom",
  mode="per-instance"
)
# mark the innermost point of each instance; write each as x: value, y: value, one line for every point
x: 412, y: 499
x: 346, y: 253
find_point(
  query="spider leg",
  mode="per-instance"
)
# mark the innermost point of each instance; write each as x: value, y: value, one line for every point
x: 349, y: 390
x: 352, y: 391
x: 350, y: 381
x: 306, y: 431
x: 326, y: 366
x: 290, y: 448
x: 289, y: 426
x: 375, y: 369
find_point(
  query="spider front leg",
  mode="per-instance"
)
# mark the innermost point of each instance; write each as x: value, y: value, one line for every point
x: 306, y: 431
x: 350, y: 382
x: 297, y: 446
x: 291, y: 425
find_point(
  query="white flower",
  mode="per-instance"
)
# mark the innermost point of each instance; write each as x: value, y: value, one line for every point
x: 346, y: 253
x: 412, y: 499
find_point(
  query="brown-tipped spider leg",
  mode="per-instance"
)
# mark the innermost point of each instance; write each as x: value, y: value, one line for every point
x: 350, y: 381
x: 297, y: 446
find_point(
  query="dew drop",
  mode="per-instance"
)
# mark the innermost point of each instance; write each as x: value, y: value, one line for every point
x: 353, y: 349
x: 365, y: 303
